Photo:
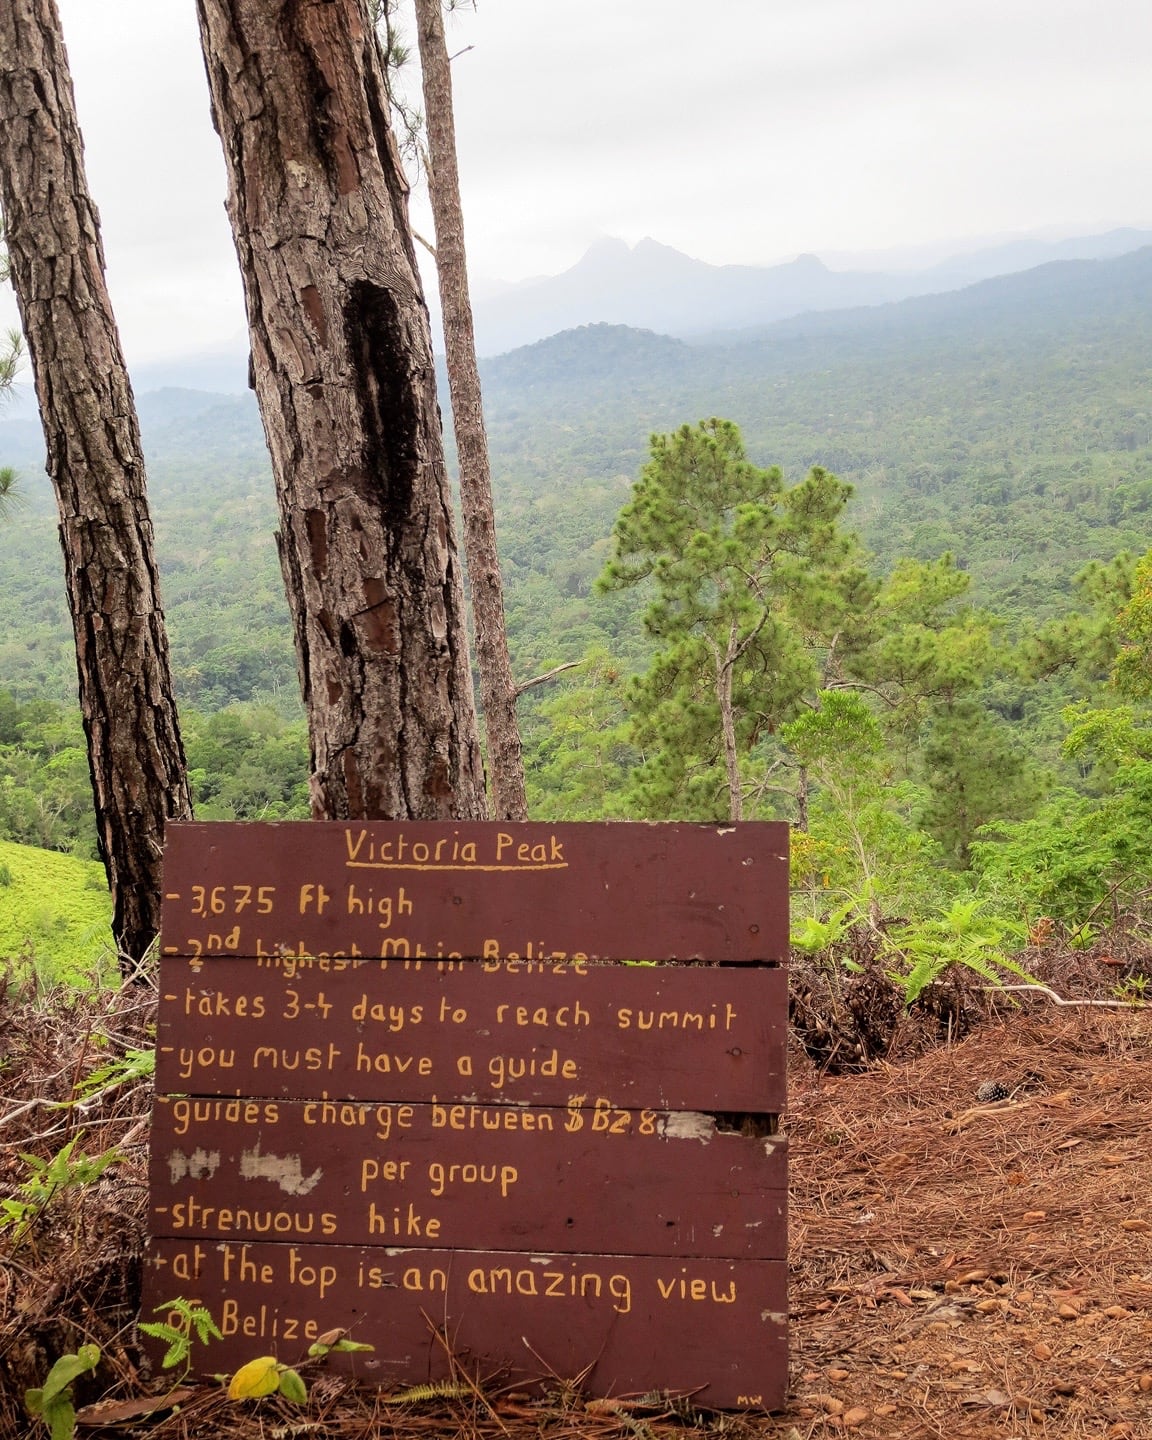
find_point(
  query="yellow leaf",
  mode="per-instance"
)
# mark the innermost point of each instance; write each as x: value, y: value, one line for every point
x: 258, y: 1377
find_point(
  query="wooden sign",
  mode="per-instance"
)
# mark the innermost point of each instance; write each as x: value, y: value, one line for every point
x: 476, y: 891
x: 674, y: 1037
x: 407, y: 1081
x: 712, y: 1328
x: 468, y: 1176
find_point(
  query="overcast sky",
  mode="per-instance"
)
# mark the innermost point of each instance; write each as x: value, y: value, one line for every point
x: 734, y: 130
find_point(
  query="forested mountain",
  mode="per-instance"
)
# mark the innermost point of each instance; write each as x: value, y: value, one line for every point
x: 1010, y: 423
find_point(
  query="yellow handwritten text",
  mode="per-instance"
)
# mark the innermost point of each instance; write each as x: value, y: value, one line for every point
x: 480, y: 1117
x: 574, y: 1283
x: 189, y: 1214
x: 504, y: 1070
x: 186, y: 1113
x: 266, y: 1323
x: 711, y: 1019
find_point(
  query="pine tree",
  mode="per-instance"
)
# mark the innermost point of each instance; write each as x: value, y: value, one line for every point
x: 497, y: 688
x: 342, y: 367
x: 746, y: 578
x: 97, y: 468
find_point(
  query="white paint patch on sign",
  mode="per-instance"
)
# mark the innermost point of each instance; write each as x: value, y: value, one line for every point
x: 283, y: 1170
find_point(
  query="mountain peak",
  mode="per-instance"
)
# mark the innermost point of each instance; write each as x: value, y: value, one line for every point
x: 648, y: 246
x: 607, y: 250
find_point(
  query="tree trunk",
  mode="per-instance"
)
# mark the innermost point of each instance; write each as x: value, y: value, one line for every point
x: 497, y: 688
x: 724, y: 669
x: 342, y: 367
x: 802, y: 799
x: 97, y: 467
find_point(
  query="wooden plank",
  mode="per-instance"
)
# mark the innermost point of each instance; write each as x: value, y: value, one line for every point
x: 612, y: 891
x: 466, y: 1176
x: 715, y: 1328
x: 662, y: 1037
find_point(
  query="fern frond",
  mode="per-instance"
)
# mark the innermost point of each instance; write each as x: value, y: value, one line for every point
x: 438, y: 1390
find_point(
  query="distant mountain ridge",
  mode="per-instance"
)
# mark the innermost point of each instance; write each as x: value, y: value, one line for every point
x: 1045, y: 300
x: 651, y: 286
x: 605, y: 357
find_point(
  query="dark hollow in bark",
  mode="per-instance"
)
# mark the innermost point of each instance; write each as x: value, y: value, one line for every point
x: 342, y: 367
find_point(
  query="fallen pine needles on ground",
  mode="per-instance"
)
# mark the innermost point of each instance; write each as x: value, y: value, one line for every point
x: 961, y: 1266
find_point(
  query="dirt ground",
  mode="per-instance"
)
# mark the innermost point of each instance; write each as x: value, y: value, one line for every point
x: 963, y: 1269
x: 959, y: 1269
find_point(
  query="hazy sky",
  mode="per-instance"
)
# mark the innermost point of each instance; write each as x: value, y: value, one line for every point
x: 736, y: 130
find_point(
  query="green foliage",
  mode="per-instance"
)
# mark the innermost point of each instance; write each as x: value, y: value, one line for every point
x: 1133, y: 990
x: 434, y: 1390
x: 962, y: 936
x: 814, y: 936
x: 929, y: 661
x: 577, y: 747
x: 56, y: 911
x: 132, y: 1066
x: 268, y: 1376
x: 65, y: 1170
x: 260, y: 1377
x: 861, y: 836
x: 187, y: 1322
x: 11, y: 494
x: 45, y: 790
x: 335, y: 1342
x: 975, y: 771
x: 1075, y: 854
x: 52, y: 1403
x: 1080, y: 853
x: 1132, y: 672
x: 1107, y: 737
x: 247, y: 762
x: 740, y: 574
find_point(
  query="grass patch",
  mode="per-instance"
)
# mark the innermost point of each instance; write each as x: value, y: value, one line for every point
x: 56, y: 909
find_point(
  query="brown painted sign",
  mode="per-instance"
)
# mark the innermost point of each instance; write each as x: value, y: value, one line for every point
x: 408, y: 1080
x: 684, y: 1037
x: 478, y: 891
x: 468, y: 1176
x: 635, y: 1323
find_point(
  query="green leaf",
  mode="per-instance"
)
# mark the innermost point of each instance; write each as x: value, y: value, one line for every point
x: 159, y: 1331
x: 67, y: 1368
x: 293, y: 1388
x: 61, y: 1418
x: 204, y: 1325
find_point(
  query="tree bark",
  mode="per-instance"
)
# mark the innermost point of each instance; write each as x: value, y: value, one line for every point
x: 724, y: 669
x: 497, y: 688
x: 342, y: 368
x: 97, y: 467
